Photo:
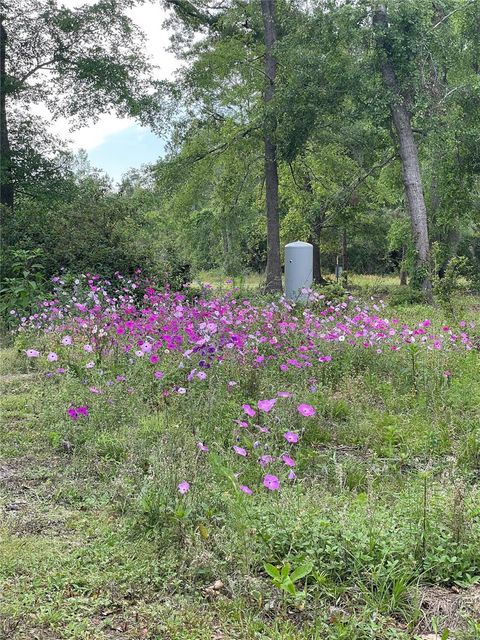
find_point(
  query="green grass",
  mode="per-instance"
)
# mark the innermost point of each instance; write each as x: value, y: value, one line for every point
x: 95, y: 542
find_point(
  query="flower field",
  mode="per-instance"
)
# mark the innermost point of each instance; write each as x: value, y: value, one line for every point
x: 217, y: 464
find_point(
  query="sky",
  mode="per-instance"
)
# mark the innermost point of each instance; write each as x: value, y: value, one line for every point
x: 117, y: 144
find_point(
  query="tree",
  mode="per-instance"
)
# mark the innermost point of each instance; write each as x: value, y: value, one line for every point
x: 235, y: 90
x: 408, y: 149
x: 78, y: 62
x: 274, y: 269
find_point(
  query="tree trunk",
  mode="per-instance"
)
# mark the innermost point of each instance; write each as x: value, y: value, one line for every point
x: 344, y: 255
x: 6, y: 186
x: 412, y: 179
x: 403, y: 271
x: 317, y: 272
x: 274, y: 267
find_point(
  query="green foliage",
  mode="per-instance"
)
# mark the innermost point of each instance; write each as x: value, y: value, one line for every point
x: 23, y: 282
x: 285, y: 579
x: 447, y: 288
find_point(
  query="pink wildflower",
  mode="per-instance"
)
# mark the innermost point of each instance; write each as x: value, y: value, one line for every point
x: 272, y: 483
x: 266, y: 405
x: 245, y: 489
x: 248, y: 410
x: 183, y: 487
x: 290, y: 462
x: 239, y: 450
x: 306, y: 410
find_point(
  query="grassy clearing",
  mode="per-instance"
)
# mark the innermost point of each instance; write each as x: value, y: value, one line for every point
x: 96, y: 543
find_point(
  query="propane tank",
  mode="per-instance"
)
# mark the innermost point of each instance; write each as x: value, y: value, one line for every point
x: 298, y: 270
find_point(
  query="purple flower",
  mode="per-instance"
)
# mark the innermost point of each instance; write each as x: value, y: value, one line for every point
x: 306, y: 410
x: 90, y: 365
x: 32, y: 353
x: 291, y: 475
x: 181, y: 390
x: 52, y: 357
x: 66, y: 341
x: 239, y: 450
x: 248, y: 410
x: 88, y: 348
x: 284, y: 394
x: 291, y: 437
x: 202, y: 447
x: 266, y: 459
x: 290, y: 462
x: 266, y: 405
x: 272, y: 483
x: 60, y: 370
x: 201, y: 375
x: 183, y: 487
x: 158, y: 375
x: 245, y: 489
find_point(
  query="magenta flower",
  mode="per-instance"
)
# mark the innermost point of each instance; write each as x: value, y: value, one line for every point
x: 272, y: 483
x: 183, y: 487
x: 248, y: 410
x: 52, y: 357
x: 239, y: 450
x: 266, y: 405
x: 266, y: 459
x: 158, y: 375
x: 306, y: 410
x: 202, y: 447
x: 154, y: 359
x: 245, y: 489
x: 291, y: 437
x: 290, y: 462
x: 82, y: 411
x: 72, y: 412
x: 32, y: 353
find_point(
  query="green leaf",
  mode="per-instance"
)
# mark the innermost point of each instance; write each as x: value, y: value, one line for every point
x: 285, y: 570
x: 289, y: 587
x: 301, y: 571
x: 272, y: 571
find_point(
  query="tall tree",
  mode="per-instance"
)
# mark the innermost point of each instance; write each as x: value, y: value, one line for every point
x: 412, y: 178
x: 78, y: 62
x: 6, y: 183
x: 274, y: 268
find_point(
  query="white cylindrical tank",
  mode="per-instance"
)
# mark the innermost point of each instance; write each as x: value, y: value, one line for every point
x: 298, y: 269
